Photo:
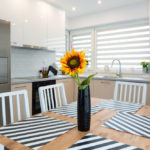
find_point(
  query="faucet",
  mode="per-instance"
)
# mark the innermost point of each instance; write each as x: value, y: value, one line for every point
x: 120, y: 73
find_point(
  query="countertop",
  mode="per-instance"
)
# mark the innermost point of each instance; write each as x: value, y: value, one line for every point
x: 130, y: 78
x: 37, y: 79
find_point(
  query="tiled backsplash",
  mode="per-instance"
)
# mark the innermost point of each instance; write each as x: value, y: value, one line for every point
x: 27, y: 62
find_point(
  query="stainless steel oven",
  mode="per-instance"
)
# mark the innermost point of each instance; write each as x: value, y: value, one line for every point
x: 4, y: 63
x: 4, y: 70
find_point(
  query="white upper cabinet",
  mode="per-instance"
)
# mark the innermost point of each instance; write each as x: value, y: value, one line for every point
x: 16, y: 22
x: 4, y: 10
x: 33, y: 22
x: 56, y: 29
x: 12, y: 11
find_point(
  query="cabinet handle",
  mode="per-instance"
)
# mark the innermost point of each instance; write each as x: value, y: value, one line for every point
x: 20, y: 87
x: 103, y: 82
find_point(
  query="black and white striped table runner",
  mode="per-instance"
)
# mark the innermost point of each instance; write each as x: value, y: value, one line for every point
x: 128, y: 122
x: 2, y: 147
x: 71, y: 110
x: 93, y: 142
x: 37, y: 131
x: 120, y: 106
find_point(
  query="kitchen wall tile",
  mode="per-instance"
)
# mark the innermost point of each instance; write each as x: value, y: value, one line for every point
x: 27, y: 62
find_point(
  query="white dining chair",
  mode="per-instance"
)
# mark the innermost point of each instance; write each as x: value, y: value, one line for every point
x: 130, y: 92
x: 52, y: 96
x: 12, y: 97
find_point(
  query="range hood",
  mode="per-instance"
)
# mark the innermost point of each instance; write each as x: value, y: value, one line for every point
x: 25, y: 46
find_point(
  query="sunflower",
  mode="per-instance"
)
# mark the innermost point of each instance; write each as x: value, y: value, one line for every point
x: 73, y: 62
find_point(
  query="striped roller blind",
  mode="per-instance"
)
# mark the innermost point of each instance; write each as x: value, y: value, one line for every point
x: 82, y: 41
x: 59, y: 45
x: 129, y: 42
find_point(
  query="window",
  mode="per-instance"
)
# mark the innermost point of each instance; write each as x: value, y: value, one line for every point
x: 59, y: 45
x: 82, y: 40
x: 129, y: 42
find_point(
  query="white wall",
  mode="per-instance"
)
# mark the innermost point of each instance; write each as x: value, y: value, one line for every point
x: 27, y: 62
x: 134, y: 11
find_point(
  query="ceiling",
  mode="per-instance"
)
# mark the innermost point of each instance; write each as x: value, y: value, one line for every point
x: 85, y: 7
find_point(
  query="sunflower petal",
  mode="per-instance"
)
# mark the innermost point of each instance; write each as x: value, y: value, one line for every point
x: 82, y: 54
x: 68, y: 54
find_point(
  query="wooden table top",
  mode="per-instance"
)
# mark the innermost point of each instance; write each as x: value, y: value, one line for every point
x: 72, y: 136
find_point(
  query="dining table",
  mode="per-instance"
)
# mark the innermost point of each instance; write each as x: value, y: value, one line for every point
x: 69, y: 138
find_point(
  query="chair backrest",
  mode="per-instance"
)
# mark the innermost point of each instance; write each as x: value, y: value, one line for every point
x: 52, y: 96
x: 130, y: 92
x: 10, y: 97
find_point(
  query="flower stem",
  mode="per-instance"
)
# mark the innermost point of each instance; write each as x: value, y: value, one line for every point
x: 78, y: 79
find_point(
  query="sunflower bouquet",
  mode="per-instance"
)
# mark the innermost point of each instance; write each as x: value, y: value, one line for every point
x: 73, y: 64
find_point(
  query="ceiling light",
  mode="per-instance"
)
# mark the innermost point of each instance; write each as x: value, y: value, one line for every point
x: 99, y: 2
x: 26, y: 21
x: 73, y: 8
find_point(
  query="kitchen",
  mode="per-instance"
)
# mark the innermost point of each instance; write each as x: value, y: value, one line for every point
x: 35, y: 35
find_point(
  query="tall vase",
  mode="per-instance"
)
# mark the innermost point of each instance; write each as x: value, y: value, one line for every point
x: 84, y: 109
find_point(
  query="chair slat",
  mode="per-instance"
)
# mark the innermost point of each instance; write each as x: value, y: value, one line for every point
x: 45, y: 100
x: 116, y: 92
x: 48, y: 97
x: 130, y: 90
x: 18, y: 107
x: 134, y: 94
x: 4, y: 110
x: 125, y: 93
x: 121, y: 92
x: 42, y: 101
x: 11, y: 109
x: 139, y: 93
x: 64, y: 95
x: 59, y: 96
x: 56, y: 101
x: 144, y: 94
x: 52, y: 99
x: 26, y: 104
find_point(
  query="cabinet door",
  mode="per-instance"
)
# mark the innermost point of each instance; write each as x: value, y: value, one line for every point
x: 18, y: 87
x: 56, y: 29
x: 4, y: 13
x: 69, y: 88
x: 16, y: 18
x: 35, y: 23
x: 13, y: 11
x: 104, y: 89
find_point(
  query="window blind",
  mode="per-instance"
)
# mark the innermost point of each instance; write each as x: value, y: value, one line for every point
x: 82, y: 41
x: 128, y: 42
x: 59, y: 45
